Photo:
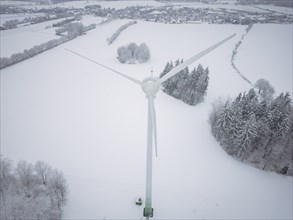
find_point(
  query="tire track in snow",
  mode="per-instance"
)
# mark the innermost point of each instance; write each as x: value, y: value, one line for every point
x: 235, y: 51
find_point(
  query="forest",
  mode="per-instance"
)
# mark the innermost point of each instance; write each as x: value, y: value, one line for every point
x: 256, y: 128
x: 31, y: 191
x: 189, y: 87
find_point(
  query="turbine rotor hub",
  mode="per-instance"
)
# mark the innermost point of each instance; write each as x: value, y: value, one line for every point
x: 150, y: 86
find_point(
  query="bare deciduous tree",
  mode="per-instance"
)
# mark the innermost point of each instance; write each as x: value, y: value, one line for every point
x: 265, y: 89
x: 43, y: 171
x: 31, y: 191
x: 26, y: 178
x: 58, y: 188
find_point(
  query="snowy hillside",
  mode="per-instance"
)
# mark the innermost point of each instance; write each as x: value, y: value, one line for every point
x: 91, y: 123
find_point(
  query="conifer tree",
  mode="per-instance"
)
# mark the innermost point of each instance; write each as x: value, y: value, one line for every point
x: 224, y: 119
x: 259, y: 132
x: 186, y: 86
x: 247, y: 134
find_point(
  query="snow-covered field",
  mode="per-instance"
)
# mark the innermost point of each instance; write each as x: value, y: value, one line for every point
x: 19, y: 39
x: 16, y: 40
x: 91, y: 124
x: 17, y: 3
x: 272, y: 58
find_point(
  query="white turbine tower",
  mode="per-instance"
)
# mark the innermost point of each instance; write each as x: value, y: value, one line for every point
x: 150, y: 87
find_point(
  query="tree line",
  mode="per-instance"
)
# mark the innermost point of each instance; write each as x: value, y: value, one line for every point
x: 111, y: 39
x: 72, y: 29
x: 31, y: 191
x: 189, y: 87
x: 63, y: 22
x: 256, y: 128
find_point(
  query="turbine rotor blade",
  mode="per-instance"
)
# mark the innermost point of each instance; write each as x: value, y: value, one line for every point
x: 154, y: 123
x: 106, y: 67
x: 192, y: 59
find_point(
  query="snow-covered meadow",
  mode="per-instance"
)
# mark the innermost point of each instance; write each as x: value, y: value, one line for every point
x: 18, y: 39
x: 266, y: 43
x: 91, y: 123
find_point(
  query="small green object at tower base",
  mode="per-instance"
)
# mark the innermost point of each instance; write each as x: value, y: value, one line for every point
x: 138, y: 201
x: 148, y: 212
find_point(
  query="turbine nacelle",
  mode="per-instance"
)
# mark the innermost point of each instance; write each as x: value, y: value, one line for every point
x: 150, y: 86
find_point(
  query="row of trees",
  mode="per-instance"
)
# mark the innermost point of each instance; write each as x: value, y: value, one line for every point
x: 132, y: 53
x: 189, y: 87
x: 234, y: 52
x: 26, y: 54
x: 10, y: 24
x: 73, y: 30
x: 31, y: 191
x: 111, y: 39
x: 63, y: 22
x: 256, y: 128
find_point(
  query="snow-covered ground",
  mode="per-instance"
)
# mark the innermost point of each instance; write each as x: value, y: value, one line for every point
x: 91, y: 124
x: 17, y: 3
x: 264, y: 54
x: 19, y: 39
x: 16, y: 40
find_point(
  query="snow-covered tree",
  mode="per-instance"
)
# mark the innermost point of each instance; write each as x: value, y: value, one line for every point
x: 27, y: 180
x: 124, y: 54
x: 278, y: 116
x: 248, y: 104
x: 73, y: 29
x: 258, y: 132
x: 167, y: 69
x: 133, y: 54
x: 188, y: 87
x: 132, y: 47
x: 6, y: 175
x: 265, y: 90
x: 58, y: 188
x: 142, y: 53
x: 247, y: 135
x: 118, y: 32
x: 202, y: 84
x: 10, y: 24
x: 43, y: 171
x: 31, y: 191
x: 224, y: 120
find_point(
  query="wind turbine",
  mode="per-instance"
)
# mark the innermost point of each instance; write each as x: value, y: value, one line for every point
x: 150, y: 87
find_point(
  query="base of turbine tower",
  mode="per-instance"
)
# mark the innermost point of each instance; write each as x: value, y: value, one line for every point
x: 148, y: 212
